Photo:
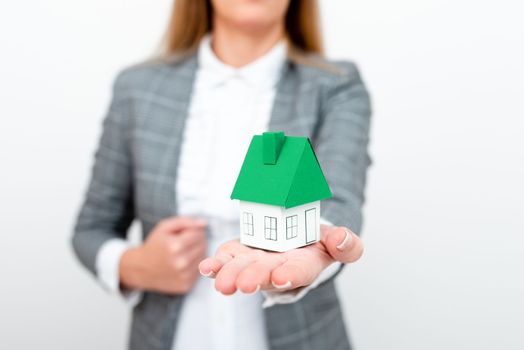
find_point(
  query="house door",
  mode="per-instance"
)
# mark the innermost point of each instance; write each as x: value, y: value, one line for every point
x: 311, y: 225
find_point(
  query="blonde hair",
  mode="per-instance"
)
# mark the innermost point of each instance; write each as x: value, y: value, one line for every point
x: 193, y: 19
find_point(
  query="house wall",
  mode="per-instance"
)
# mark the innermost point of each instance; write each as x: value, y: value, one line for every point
x: 299, y: 211
x: 259, y: 211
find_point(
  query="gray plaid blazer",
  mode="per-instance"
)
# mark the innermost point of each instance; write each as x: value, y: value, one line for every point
x: 136, y: 165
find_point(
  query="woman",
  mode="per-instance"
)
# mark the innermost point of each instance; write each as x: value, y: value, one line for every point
x: 172, y: 145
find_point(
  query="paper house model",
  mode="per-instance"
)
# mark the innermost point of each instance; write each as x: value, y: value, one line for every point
x: 280, y: 187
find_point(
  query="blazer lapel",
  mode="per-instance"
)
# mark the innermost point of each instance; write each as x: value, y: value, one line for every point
x: 283, y: 105
x: 295, y: 106
x: 168, y: 121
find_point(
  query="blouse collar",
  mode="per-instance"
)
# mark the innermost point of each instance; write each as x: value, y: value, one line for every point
x: 264, y: 71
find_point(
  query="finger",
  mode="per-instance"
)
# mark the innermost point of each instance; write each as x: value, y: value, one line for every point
x: 342, y: 244
x: 227, y: 251
x: 211, y: 266
x: 190, y: 258
x: 179, y: 223
x: 235, y: 248
x: 258, y: 274
x: 186, y: 239
x: 226, y: 278
x: 293, y: 274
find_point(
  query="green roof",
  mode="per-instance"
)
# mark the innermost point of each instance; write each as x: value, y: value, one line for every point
x: 280, y: 170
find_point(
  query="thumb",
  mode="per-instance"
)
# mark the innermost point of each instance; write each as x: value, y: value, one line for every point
x: 342, y: 244
x: 179, y: 223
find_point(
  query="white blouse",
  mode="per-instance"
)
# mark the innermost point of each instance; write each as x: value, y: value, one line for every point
x: 228, y: 106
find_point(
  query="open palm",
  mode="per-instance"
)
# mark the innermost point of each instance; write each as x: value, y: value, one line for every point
x: 238, y: 267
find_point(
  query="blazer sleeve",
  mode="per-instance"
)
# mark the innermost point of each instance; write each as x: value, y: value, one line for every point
x: 107, y: 210
x: 342, y: 147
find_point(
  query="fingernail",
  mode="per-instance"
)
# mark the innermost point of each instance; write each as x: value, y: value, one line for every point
x: 347, y: 241
x: 255, y: 291
x: 201, y: 222
x: 282, y: 286
x: 209, y: 274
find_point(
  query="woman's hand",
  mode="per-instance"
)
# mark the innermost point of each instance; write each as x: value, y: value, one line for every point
x: 168, y: 260
x: 236, y: 266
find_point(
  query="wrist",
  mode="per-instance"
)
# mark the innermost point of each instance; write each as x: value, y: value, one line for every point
x: 130, y: 269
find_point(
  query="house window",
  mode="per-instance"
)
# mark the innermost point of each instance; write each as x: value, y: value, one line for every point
x: 270, y: 228
x: 291, y: 226
x: 247, y: 223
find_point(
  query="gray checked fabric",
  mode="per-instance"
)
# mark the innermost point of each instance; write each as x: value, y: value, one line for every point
x: 136, y: 166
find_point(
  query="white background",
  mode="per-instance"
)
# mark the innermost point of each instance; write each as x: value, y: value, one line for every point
x: 444, y: 227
